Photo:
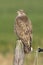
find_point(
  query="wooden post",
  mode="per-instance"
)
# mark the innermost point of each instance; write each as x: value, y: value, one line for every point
x: 19, y: 53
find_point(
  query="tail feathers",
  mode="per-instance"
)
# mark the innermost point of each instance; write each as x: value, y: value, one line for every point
x: 31, y: 49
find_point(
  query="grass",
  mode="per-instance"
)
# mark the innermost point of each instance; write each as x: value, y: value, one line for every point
x: 8, y: 8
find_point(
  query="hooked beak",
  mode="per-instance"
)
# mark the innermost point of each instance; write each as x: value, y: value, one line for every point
x: 17, y: 12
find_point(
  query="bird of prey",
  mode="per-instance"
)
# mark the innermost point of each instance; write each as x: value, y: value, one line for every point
x: 23, y: 29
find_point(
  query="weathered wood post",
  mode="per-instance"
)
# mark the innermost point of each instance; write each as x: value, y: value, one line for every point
x: 19, y: 53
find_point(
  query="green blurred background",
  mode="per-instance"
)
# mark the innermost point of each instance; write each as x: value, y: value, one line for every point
x: 8, y: 9
x: 34, y: 10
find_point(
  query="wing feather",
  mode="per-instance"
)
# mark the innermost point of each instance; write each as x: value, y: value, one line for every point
x: 23, y: 30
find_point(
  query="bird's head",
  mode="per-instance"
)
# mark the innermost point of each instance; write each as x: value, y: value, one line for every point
x: 21, y: 13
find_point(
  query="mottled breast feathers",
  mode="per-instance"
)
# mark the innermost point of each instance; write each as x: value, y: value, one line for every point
x: 23, y: 28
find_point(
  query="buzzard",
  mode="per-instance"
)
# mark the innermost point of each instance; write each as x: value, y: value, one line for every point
x: 23, y: 29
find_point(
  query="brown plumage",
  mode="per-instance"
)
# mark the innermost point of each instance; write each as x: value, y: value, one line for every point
x: 23, y: 29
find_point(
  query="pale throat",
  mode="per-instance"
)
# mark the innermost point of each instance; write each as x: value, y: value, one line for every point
x: 23, y: 14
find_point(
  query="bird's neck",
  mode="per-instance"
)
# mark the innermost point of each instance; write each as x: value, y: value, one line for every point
x: 21, y: 14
